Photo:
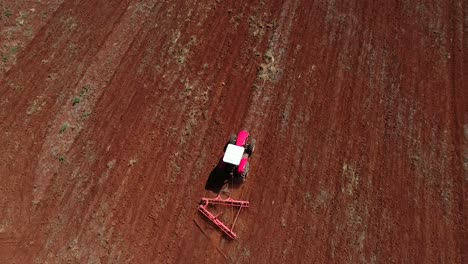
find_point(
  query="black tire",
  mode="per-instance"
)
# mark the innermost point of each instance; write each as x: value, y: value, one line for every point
x: 239, y: 179
x: 251, y: 146
x: 245, y: 173
x: 233, y: 139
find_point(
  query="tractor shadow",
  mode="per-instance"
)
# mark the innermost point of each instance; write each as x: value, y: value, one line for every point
x: 218, y: 179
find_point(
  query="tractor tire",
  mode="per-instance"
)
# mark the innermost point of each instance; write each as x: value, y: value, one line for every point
x: 245, y: 173
x: 251, y: 146
x: 238, y: 179
x: 233, y: 139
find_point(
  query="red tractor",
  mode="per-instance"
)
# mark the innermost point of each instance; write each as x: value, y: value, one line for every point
x: 237, y: 152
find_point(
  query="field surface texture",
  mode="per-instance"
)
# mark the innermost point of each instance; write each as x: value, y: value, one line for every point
x: 113, y: 115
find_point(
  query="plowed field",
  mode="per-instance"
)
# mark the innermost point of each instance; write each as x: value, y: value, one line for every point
x: 113, y: 115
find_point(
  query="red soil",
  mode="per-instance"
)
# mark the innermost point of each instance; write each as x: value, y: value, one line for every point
x: 113, y: 114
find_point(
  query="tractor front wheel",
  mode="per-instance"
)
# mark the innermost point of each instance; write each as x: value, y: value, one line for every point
x: 233, y: 139
x: 251, y: 146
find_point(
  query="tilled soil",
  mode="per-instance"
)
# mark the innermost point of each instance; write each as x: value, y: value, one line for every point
x: 113, y: 115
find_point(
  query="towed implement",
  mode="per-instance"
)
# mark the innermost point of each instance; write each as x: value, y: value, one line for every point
x: 203, y: 208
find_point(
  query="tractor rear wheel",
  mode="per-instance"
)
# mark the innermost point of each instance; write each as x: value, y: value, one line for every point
x: 245, y: 173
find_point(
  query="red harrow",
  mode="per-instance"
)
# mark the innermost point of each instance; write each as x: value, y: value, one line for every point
x: 214, y: 218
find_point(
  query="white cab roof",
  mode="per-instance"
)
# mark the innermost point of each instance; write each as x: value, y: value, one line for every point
x: 233, y: 154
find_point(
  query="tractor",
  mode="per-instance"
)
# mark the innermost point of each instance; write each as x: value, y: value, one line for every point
x: 237, y: 151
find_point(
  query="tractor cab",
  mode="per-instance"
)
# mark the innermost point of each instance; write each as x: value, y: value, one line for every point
x: 233, y: 154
